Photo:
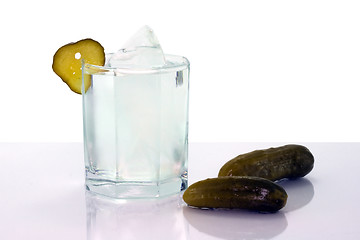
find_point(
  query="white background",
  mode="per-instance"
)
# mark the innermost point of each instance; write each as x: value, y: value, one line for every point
x: 260, y: 70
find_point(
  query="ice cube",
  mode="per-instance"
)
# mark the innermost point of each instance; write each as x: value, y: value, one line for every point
x: 143, y: 50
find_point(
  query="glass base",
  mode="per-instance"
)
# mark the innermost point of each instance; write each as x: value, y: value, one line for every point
x: 128, y: 190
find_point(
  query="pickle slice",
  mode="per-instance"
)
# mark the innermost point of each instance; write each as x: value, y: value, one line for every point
x: 67, y: 61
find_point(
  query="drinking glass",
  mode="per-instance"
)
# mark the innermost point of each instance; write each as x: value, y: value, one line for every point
x: 136, y: 129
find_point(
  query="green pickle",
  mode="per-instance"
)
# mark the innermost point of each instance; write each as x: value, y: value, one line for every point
x: 289, y: 161
x: 251, y: 193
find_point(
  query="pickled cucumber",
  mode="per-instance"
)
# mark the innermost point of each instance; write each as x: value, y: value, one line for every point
x: 251, y: 193
x: 67, y: 62
x: 289, y: 161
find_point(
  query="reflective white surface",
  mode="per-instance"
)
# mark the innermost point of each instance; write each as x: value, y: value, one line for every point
x: 43, y: 197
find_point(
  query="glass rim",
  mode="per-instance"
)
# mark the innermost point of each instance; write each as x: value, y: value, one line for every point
x: 174, y: 63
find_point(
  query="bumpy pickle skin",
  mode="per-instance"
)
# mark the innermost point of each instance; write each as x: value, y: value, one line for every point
x: 67, y: 62
x: 249, y: 193
x: 289, y: 161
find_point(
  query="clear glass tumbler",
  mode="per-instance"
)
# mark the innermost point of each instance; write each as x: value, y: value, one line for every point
x: 136, y: 129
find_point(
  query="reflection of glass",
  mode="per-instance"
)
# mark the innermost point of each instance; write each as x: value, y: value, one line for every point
x: 236, y: 224
x: 129, y: 219
x: 300, y: 192
x: 136, y: 129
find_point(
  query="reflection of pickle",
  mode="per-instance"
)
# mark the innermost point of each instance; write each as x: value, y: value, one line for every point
x: 236, y: 224
x: 300, y: 192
